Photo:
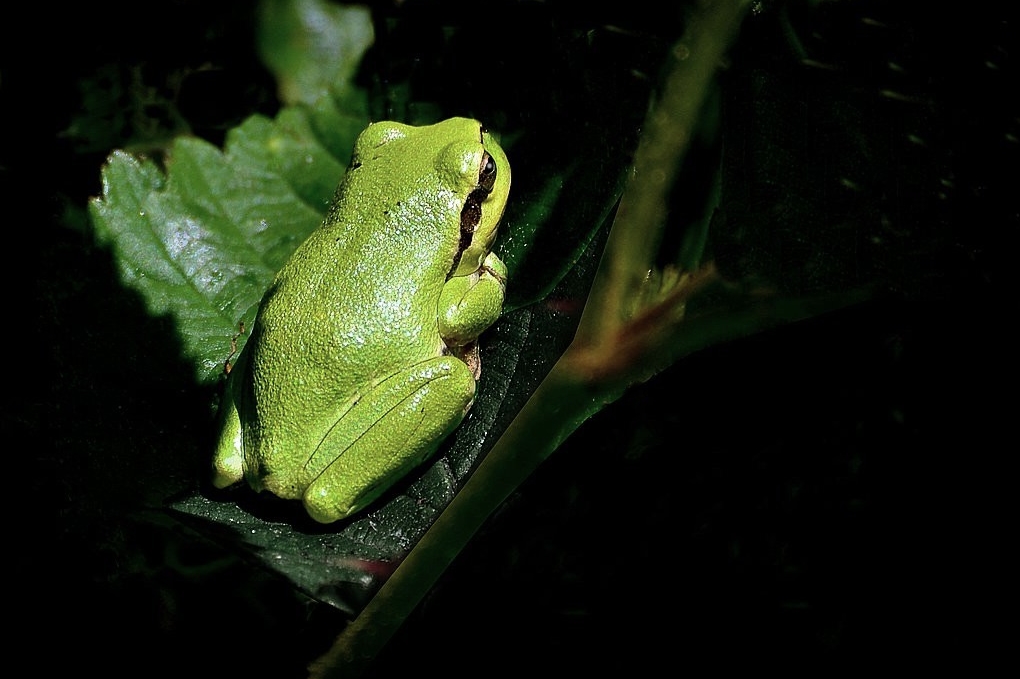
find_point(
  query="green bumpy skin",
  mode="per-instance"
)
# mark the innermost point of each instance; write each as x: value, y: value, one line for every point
x: 363, y: 355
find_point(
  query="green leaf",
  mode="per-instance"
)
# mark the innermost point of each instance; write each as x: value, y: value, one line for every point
x: 312, y: 46
x: 202, y: 240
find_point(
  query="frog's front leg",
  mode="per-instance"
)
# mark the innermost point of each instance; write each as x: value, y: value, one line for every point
x: 389, y: 431
x: 470, y: 304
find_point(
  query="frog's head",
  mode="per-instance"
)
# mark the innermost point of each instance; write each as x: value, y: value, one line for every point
x: 454, y: 168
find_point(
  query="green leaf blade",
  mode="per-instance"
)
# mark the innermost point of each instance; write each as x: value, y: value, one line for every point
x: 202, y: 241
x: 312, y: 46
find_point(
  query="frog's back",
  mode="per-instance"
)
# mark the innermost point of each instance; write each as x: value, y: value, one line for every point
x: 358, y: 301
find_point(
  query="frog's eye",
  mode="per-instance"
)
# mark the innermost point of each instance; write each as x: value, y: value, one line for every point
x: 487, y: 173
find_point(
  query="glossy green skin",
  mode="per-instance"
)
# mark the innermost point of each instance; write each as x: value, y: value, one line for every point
x: 355, y: 369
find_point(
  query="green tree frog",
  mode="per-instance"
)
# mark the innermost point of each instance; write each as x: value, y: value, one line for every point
x: 363, y: 356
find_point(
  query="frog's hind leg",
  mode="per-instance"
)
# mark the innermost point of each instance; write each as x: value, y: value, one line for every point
x: 389, y: 431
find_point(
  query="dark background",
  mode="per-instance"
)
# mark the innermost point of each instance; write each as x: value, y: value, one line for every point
x: 821, y: 495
